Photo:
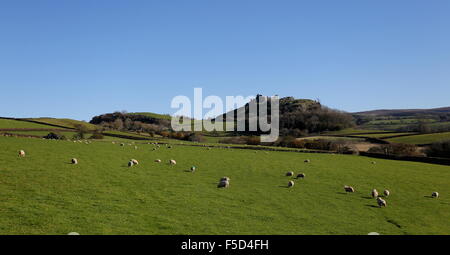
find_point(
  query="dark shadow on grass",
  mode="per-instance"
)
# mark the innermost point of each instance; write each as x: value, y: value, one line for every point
x: 393, y: 222
x: 428, y: 196
x: 373, y: 206
x: 341, y: 193
x: 367, y: 197
x: 283, y: 187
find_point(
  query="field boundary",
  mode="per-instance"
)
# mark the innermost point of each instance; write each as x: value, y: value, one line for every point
x: 38, y: 122
x: 439, y: 161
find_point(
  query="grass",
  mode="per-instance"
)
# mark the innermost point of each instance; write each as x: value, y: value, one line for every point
x: 352, y: 131
x: 68, y: 123
x: 333, y: 138
x: 44, y: 194
x: 16, y: 124
x: 383, y: 135
x: 67, y: 134
x: 422, y: 139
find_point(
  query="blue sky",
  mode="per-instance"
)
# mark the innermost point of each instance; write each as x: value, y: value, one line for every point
x: 77, y: 59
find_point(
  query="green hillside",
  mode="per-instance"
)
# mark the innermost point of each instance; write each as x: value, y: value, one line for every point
x: 422, y: 139
x: 67, y: 123
x: 44, y: 194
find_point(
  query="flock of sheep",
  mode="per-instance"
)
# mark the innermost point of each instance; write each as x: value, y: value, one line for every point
x: 224, y: 182
x: 380, y: 201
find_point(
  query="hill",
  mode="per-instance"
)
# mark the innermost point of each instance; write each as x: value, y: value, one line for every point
x: 405, y: 112
x: 300, y: 117
x: 64, y: 123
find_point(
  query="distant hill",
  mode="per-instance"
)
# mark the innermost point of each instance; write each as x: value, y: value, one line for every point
x: 302, y: 116
x: 405, y: 112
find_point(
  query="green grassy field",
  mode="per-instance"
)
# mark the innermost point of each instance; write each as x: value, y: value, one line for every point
x: 334, y: 138
x: 67, y: 134
x: 68, y: 123
x: 352, y: 131
x: 384, y: 135
x: 44, y: 194
x: 422, y: 139
x: 13, y: 124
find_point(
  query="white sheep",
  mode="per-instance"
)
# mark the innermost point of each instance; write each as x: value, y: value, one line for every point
x: 193, y: 168
x: 381, y: 202
x: 374, y: 193
x: 172, y: 162
x: 21, y: 153
x: 158, y: 160
x: 349, y: 189
x: 307, y: 161
x: 386, y: 193
x: 301, y: 175
x: 135, y: 162
x: 130, y: 163
x: 291, y: 184
x: 74, y: 161
x: 435, y: 194
x: 290, y: 173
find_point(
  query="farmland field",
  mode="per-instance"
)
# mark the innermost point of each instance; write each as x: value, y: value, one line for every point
x: 422, y: 139
x: 15, y: 124
x: 384, y: 135
x: 68, y: 123
x: 43, y: 194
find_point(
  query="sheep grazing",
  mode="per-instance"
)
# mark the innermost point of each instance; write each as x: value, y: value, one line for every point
x: 172, y: 162
x: 374, y: 193
x: 158, y: 160
x: 224, y: 183
x: 130, y: 163
x: 193, y: 168
x: 381, y: 202
x: 435, y: 195
x: 349, y: 189
x: 301, y: 175
x: 291, y: 184
x: 21, y: 153
x: 290, y: 173
x: 122, y: 144
x: 74, y: 161
x: 307, y: 161
x: 135, y: 162
x: 386, y: 193
x: 374, y: 163
x: 135, y: 147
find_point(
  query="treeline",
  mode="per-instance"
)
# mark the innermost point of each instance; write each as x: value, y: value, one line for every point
x: 338, y: 146
x: 123, y: 121
x: 424, y: 128
x: 302, y: 117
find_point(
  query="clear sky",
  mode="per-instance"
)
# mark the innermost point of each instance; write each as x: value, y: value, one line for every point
x: 77, y: 59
